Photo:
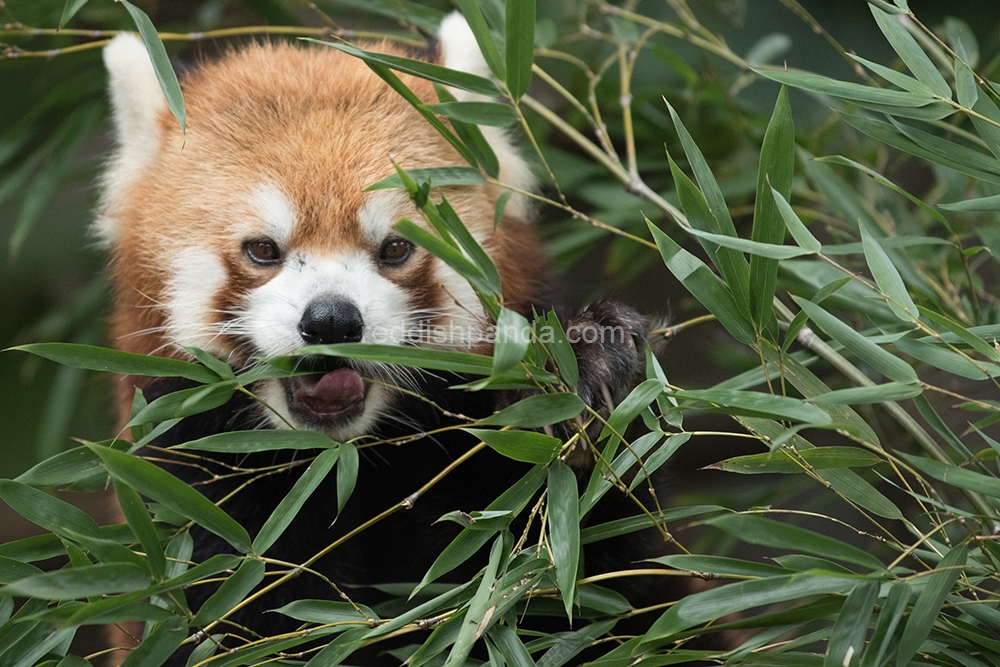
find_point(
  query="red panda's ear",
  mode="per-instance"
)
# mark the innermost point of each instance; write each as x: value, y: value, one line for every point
x: 459, y: 50
x: 136, y: 103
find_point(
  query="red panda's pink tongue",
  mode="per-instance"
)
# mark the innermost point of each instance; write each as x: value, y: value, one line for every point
x: 335, y: 393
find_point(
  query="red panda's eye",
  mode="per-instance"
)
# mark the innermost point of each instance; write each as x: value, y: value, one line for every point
x: 395, y: 251
x: 262, y: 251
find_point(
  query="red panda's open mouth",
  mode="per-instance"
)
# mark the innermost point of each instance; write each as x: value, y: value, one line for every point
x: 327, y: 399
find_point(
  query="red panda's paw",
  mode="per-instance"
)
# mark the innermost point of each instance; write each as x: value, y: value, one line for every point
x: 609, y: 340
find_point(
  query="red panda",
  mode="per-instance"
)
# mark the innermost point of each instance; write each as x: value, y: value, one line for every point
x: 251, y: 235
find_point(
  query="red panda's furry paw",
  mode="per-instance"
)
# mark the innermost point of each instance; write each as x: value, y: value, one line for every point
x: 609, y: 340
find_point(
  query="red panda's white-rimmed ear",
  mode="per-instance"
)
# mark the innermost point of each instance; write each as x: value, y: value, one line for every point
x: 460, y: 51
x: 136, y: 103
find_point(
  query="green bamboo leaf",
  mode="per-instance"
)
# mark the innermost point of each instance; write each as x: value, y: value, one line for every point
x: 965, y: 80
x: 475, y: 622
x: 161, y: 62
x: 437, y: 360
x: 719, y: 565
x: 985, y: 204
x: 538, y: 411
x: 102, y: 359
x: 928, y: 605
x: 816, y: 83
x: 656, y: 459
x: 619, y: 527
x: 564, y: 529
x: 73, y: 661
x: 141, y: 523
x: 484, y: 38
x: 889, y: 616
x: 453, y: 224
x: 512, y: 339
x: 974, y: 337
x: 232, y: 591
x: 887, y: 277
x: 48, y: 512
x: 892, y: 241
x: 347, y: 474
x: 156, y: 483
x: 451, y: 255
x: 777, y: 159
x: 524, y: 446
x: 724, y: 600
x: 437, y: 176
x: 704, y: 286
x: 757, y: 403
x: 768, y: 532
x: 184, y: 403
x: 69, y: 11
x: 469, y: 541
x: 910, y: 53
x: 949, y: 154
x: 802, y: 236
x: 421, y: 69
x: 783, y: 461
x: 470, y: 134
x: 848, y: 636
x: 950, y: 474
x: 886, y: 7
x: 885, y: 363
x: 261, y: 440
x: 11, y: 570
x: 897, y: 78
x: 493, y: 114
x: 734, y: 268
x: 71, y: 583
x: 417, y: 612
x: 160, y: 644
x: 520, y: 36
x: 290, y: 505
x: 561, y: 350
x: 327, y: 611
x: 729, y: 260
x: 507, y: 641
x: 65, y: 467
x: 945, y: 359
x: 756, y: 248
x: 947, y: 148
x: 879, y: 393
x: 626, y: 411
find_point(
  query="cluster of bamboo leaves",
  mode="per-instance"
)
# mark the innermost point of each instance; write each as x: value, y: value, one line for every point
x: 863, y: 304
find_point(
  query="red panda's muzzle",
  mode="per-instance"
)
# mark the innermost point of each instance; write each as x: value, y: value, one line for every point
x: 329, y: 399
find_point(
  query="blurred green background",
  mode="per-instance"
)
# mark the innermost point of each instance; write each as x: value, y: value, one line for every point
x: 53, y: 134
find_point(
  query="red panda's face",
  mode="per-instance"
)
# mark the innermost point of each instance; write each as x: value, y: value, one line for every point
x: 252, y: 235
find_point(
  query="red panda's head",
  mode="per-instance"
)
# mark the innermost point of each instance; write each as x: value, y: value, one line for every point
x: 251, y: 235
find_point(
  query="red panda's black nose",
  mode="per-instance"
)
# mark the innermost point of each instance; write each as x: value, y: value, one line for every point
x: 329, y: 320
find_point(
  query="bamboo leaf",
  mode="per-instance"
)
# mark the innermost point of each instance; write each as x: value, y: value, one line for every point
x: 768, y: 532
x: 887, y: 277
x: 69, y: 11
x: 493, y: 114
x: 524, y: 446
x: 845, y: 90
x: 889, y: 617
x: 848, y: 636
x: 520, y: 36
x: 949, y: 474
x: 777, y: 158
x: 945, y: 359
x: 141, y: 524
x: 114, y: 361
x: 438, y: 360
x: 512, y: 339
x: 885, y: 363
x: 758, y: 403
x: 538, y: 411
x: 802, y: 236
x: 161, y: 62
x: 756, y: 248
x: 259, y: 440
x: 783, y: 461
x: 910, y: 53
x: 437, y: 176
x: 233, y: 590
x: 347, y: 474
x: 564, y: 529
x: 475, y: 622
x: 484, y: 38
x: 327, y: 611
x: 164, y: 488
x: 159, y: 645
x: 71, y: 583
x: 289, y: 507
x: 46, y: 511
x: 704, y: 286
x: 928, y: 605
